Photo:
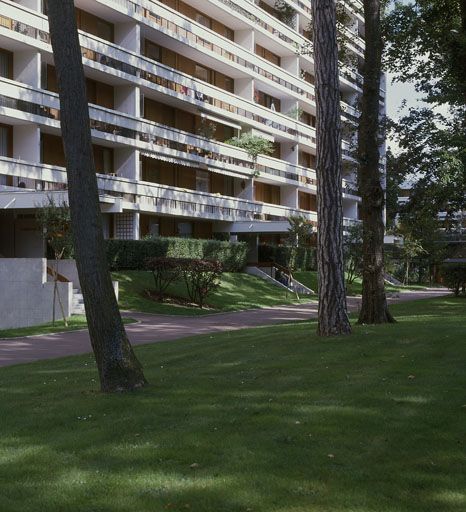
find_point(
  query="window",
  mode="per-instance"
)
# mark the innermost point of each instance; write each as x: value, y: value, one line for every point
x: 185, y: 229
x: 202, y: 73
x: 153, y: 51
x: 229, y: 84
x: 6, y: 64
x: 5, y: 140
x: 229, y: 33
x: 202, y: 181
x: 203, y: 20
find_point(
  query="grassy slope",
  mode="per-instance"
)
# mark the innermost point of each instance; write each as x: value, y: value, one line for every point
x: 310, y: 280
x: 237, y: 291
x: 276, y: 419
x: 74, y: 323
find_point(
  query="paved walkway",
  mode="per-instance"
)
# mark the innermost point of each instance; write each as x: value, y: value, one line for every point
x: 154, y: 328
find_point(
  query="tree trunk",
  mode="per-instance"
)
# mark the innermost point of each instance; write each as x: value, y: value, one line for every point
x: 374, y: 308
x: 119, y: 370
x: 332, y: 318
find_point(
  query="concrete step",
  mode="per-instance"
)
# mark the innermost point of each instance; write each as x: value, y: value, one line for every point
x: 77, y: 303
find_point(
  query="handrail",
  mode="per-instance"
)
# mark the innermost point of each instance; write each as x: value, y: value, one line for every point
x: 52, y: 272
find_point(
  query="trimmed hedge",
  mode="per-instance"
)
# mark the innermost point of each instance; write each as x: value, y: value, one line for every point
x: 306, y: 258
x: 131, y: 254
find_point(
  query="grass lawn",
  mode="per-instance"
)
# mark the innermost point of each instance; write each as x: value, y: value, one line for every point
x: 74, y: 323
x: 237, y: 291
x: 262, y: 420
x: 310, y: 280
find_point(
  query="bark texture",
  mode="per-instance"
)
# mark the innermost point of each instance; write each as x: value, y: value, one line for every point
x: 333, y: 317
x: 119, y: 370
x: 374, y: 307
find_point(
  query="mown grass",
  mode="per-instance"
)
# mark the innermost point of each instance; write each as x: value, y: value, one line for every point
x: 237, y: 291
x: 75, y: 322
x: 309, y: 278
x: 262, y: 420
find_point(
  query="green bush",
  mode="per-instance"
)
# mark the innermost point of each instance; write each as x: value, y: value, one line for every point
x: 454, y: 277
x: 132, y: 254
x: 305, y: 256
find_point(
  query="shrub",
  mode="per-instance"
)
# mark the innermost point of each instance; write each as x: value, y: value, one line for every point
x: 201, y: 277
x: 165, y: 272
x: 304, y: 259
x: 132, y: 254
x: 454, y: 277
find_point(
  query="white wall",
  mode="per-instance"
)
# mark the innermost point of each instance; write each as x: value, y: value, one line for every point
x: 26, y: 297
x: 26, y: 67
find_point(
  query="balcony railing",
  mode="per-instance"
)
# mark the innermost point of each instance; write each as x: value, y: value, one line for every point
x: 154, y: 138
x: 156, y: 73
x: 156, y: 198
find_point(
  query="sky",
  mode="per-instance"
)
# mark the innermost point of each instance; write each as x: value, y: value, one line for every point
x: 398, y: 92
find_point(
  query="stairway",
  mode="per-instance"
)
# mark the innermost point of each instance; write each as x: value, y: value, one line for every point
x: 269, y: 273
x: 77, y: 303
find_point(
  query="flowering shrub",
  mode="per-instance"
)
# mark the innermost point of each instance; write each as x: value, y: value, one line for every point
x: 201, y: 277
x: 165, y: 272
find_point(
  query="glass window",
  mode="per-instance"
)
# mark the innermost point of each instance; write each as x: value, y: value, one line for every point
x: 4, y: 141
x: 185, y: 229
x: 202, y: 73
x: 6, y: 64
x: 153, y: 51
x: 202, y: 181
x: 203, y: 20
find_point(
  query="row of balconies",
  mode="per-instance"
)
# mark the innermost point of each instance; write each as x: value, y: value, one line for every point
x: 145, y: 135
x: 136, y: 66
x: 147, y: 197
x: 45, y: 104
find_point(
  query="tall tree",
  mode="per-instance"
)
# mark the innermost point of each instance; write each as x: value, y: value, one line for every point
x: 374, y: 307
x: 427, y: 46
x: 119, y: 370
x: 332, y: 317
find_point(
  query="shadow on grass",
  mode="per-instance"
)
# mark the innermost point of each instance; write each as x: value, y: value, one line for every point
x: 270, y: 419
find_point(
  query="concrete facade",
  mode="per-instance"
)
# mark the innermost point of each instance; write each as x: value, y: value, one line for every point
x: 156, y: 83
x: 26, y: 294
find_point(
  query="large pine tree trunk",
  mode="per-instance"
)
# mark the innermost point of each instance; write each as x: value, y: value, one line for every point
x: 119, y: 370
x: 374, y: 308
x: 333, y: 318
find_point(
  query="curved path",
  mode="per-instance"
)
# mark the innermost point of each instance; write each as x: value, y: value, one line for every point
x: 154, y: 328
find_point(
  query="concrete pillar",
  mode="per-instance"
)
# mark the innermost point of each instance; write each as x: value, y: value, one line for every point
x: 26, y: 67
x: 244, y: 87
x: 290, y: 107
x: 289, y: 152
x: 26, y: 142
x: 245, y: 189
x: 128, y: 35
x: 245, y: 38
x: 291, y: 64
x: 350, y: 209
x: 289, y: 196
x: 127, y: 100
x: 127, y: 163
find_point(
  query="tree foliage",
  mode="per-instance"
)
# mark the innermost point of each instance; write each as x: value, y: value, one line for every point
x: 428, y: 48
x: 352, y: 252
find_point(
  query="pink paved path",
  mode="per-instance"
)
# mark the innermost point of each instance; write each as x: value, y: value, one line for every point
x: 154, y: 328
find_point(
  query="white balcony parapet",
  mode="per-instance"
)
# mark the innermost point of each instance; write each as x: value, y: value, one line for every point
x: 19, y: 100
x: 149, y: 197
x: 178, y: 26
x: 122, y: 61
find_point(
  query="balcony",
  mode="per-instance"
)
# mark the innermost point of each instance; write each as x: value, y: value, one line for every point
x: 122, y: 194
x: 170, y: 81
x: 152, y: 139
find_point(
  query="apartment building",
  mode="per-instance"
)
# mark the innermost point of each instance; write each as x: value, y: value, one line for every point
x: 169, y: 83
